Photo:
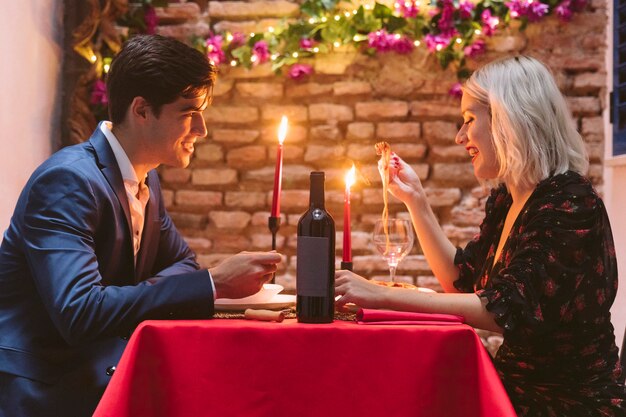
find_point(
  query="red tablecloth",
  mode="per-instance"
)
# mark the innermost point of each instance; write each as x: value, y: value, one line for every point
x: 248, y: 368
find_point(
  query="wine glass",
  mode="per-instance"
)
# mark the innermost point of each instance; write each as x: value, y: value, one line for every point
x: 394, y: 243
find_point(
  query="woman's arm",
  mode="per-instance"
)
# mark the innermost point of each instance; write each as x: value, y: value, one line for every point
x: 438, y: 250
x: 356, y: 289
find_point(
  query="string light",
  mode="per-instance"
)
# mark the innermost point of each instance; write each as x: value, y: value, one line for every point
x: 93, y: 58
x: 106, y: 68
x: 295, y: 55
x: 324, y: 19
x: 417, y: 43
x: 337, y: 17
x: 311, y: 20
x: 233, y: 63
x: 274, y: 56
x: 316, y: 49
x: 458, y: 40
x: 347, y: 14
x: 337, y: 44
x: 270, y: 29
x: 477, y: 32
x: 229, y: 37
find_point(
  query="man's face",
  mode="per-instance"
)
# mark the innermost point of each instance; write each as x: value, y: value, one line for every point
x: 174, y: 133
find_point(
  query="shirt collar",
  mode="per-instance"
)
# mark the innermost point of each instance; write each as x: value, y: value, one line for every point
x: 126, y: 168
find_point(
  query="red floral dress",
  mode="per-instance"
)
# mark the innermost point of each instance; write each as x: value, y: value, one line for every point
x: 551, y: 290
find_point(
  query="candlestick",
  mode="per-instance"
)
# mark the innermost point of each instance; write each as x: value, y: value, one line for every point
x: 346, y: 262
x: 273, y: 222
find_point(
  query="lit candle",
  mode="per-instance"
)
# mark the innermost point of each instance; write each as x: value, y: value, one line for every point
x: 347, y: 240
x: 278, y: 172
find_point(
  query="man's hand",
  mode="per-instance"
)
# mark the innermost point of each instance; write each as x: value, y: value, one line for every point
x: 243, y: 274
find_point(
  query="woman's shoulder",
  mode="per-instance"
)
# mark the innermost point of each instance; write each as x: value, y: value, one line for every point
x: 566, y: 192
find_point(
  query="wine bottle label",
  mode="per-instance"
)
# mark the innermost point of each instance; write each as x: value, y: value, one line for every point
x: 312, y: 266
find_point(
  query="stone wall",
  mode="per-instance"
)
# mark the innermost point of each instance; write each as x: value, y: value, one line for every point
x: 221, y: 203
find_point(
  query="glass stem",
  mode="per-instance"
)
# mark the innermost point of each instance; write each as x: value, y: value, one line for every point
x: 392, y: 272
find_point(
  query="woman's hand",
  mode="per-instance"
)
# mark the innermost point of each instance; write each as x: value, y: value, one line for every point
x: 403, y: 180
x: 356, y: 289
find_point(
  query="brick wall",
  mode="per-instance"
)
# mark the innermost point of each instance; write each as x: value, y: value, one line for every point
x: 221, y: 202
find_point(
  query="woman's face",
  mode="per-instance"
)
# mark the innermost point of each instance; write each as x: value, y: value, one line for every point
x: 475, y: 135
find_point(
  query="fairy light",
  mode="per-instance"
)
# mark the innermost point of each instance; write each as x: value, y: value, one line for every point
x: 253, y: 58
x: 311, y: 20
x: 347, y: 14
x: 324, y: 19
x: 337, y: 17
x: 367, y: 7
x: 355, y: 38
x: 270, y: 29
x: 458, y: 40
x: 397, y: 36
x: 477, y: 32
x: 295, y: 55
x: 316, y: 49
x: 336, y: 44
x: 229, y: 37
x: 417, y: 43
x: 93, y: 58
x: 354, y: 12
x: 439, y: 47
x: 233, y: 63
x: 274, y: 57
x: 396, y: 5
x: 252, y: 35
x: 106, y: 68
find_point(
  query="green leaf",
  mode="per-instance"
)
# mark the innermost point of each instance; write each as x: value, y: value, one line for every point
x: 394, y: 23
x: 243, y: 54
x: 381, y: 11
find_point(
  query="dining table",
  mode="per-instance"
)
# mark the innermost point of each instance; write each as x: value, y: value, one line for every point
x: 237, y: 367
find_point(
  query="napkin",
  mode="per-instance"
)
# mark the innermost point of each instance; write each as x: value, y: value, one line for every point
x: 370, y: 316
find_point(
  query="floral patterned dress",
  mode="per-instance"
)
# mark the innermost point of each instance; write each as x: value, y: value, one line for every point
x: 551, y: 290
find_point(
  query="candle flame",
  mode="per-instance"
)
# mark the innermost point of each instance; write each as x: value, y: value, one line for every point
x: 351, y: 177
x: 282, y: 130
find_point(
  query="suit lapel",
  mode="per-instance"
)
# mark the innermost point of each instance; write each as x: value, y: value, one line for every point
x: 111, y: 171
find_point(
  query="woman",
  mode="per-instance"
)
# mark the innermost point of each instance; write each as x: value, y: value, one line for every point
x: 542, y: 270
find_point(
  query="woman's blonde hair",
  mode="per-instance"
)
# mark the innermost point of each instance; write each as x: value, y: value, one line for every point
x: 533, y: 131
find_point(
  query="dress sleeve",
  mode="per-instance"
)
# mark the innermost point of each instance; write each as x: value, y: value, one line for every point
x: 558, y: 245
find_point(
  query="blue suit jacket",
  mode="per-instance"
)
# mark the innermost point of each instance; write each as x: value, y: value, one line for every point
x: 70, y: 293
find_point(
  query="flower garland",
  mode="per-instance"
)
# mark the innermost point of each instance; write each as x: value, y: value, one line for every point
x: 451, y: 30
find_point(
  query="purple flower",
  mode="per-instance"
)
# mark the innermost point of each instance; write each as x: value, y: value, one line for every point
x: 407, y: 8
x: 214, y: 49
x: 299, y: 71
x: 306, y: 43
x: 465, y: 9
x: 238, y: 40
x: 456, y: 91
x: 475, y: 49
x: 403, y: 45
x: 99, y: 93
x: 564, y: 10
x: 436, y: 43
x: 489, y: 22
x: 260, y: 50
x: 536, y: 11
x: 446, y: 21
x: 150, y: 19
x: 380, y: 40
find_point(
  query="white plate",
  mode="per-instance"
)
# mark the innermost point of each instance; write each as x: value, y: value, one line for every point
x: 276, y: 302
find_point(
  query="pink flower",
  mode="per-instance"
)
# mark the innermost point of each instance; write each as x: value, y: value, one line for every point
x: 489, y: 22
x: 306, y: 43
x: 436, y: 43
x: 564, y: 11
x: 260, y: 50
x: 99, y: 93
x: 299, y: 71
x: 456, y: 91
x: 407, y: 9
x: 536, y: 11
x: 380, y: 40
x: 446, y: 21
x: 150, y: 19
x: 238, y: 40
x: 403, y: 45
x: 465, y: 9
x: 214, y: 49
x: 475, y: 49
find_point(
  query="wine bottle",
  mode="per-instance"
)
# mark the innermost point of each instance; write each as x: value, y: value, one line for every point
x: 315, y: 272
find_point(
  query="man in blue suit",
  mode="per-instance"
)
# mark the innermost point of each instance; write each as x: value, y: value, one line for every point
x: 91, y: 251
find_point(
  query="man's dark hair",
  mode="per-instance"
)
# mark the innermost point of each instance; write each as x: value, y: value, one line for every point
x: 160, y: 70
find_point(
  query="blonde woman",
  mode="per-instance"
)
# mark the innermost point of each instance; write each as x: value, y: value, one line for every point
x: 542, y: 270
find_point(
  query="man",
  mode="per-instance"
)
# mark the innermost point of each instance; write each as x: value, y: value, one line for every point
x: 91, y: 251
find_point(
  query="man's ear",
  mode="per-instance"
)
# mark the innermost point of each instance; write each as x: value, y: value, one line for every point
x: 139, y: 108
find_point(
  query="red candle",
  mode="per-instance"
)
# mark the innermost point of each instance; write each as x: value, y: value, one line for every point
x: 278, y: 172
x: 347, y: 238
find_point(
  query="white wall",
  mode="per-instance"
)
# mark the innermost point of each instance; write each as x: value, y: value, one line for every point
x: 30, y: 72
